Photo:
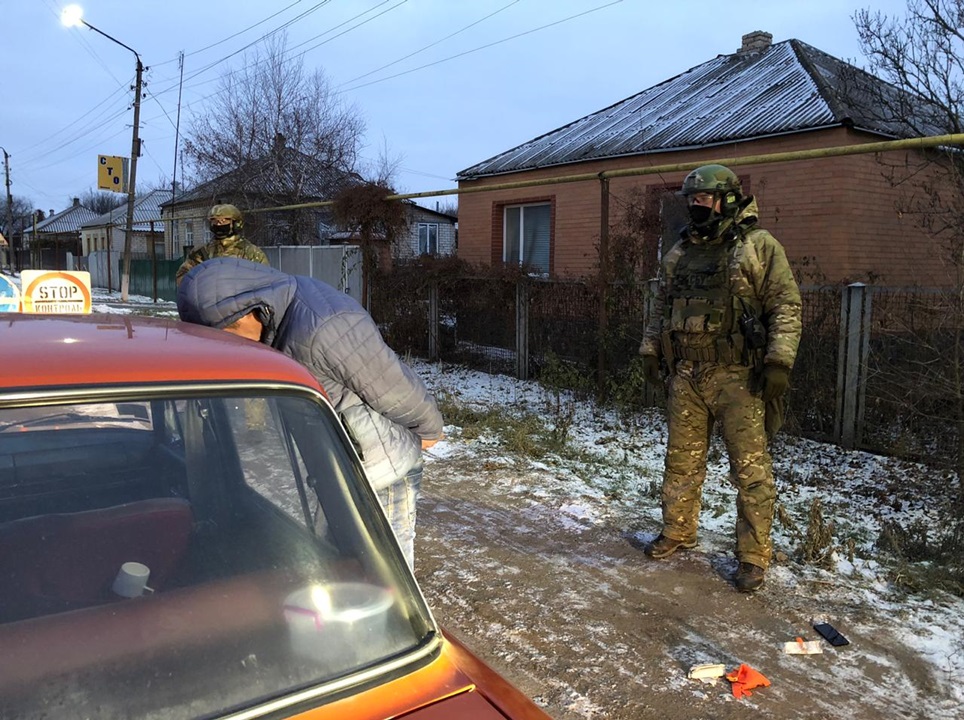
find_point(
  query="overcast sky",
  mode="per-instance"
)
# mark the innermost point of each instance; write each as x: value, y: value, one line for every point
x: 441, y: 84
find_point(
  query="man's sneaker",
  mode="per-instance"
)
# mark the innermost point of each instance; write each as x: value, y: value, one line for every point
x: 749, y: 577
x: 663, y: 547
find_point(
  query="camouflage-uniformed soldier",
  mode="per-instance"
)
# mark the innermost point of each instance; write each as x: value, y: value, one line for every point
x: 725, y: 330
x: 226, y: 223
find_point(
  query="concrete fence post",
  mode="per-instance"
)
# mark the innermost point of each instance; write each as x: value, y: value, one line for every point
x: 852, y: 351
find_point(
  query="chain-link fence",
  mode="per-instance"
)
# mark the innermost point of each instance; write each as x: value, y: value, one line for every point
x: 900, y: 394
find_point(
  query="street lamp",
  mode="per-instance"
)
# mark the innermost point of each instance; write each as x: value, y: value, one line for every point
x: 72, y: 16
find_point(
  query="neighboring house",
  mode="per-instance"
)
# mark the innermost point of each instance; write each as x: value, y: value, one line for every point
x: 108, y: 231
x: 283, y: 177
x: 60, y: 231
x: 837, y: 216
x: 429, y: 233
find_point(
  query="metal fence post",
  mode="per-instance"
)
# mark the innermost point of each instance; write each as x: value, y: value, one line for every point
x: 649, y: 392
x: 522, y: 330
x: 854, y: 345
x: 433, y: 349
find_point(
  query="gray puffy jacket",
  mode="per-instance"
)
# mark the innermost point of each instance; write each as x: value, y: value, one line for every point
x: 385, y: 406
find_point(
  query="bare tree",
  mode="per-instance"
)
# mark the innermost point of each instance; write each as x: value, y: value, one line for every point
x: 101, y: 201
x: 376, y: 221
x: 272, y: 97
x: 920, y: 357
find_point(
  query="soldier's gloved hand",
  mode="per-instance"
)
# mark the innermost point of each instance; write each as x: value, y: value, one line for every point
x: 776, y: 379
x: 651, y: 370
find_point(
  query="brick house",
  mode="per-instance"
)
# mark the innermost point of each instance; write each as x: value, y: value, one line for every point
x: 430, y: 232
x: 836, y: 216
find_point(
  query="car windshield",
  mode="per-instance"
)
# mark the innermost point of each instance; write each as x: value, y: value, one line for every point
x: 182, y: 553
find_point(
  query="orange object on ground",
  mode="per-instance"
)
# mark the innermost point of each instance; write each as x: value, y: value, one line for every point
x: 746, y: 678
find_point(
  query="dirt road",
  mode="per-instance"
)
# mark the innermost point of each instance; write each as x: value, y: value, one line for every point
x: 574, y: 613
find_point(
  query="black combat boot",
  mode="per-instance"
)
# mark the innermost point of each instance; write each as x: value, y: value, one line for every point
x: 749, y: 577
x: 663, y: 547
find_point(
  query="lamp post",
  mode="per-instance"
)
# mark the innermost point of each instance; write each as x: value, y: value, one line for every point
x: 71, y: 16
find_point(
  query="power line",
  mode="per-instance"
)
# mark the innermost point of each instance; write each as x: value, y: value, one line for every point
x: 181, y: 57
x: 101, y: 106
x: 484, y: 47
x: 431, y: 45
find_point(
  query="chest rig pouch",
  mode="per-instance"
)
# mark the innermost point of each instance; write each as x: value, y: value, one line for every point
x: 703, y: 319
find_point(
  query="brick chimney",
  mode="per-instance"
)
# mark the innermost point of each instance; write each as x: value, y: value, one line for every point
x: 756, y: 41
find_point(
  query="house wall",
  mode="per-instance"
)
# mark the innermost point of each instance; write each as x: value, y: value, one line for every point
x: 175, y: 228
x: 407, y: 247
x: 94, y: 239
x: 837, y: 217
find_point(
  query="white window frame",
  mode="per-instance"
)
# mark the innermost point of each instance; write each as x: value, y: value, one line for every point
x: 520, y: 241
x: 428, y: 246
x: 189, y: 233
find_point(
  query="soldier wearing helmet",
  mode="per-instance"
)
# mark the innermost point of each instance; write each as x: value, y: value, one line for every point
x: 225, y: 223
x: 723, y: 337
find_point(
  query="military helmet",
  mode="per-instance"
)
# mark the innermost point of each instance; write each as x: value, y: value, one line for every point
x: 711, y: 179
x: 227, y: 211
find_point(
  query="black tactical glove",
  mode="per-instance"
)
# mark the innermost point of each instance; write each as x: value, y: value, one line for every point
x: 651, y: 370
x: 776, y: 379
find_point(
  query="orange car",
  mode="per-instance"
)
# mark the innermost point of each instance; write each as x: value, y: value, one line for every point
x: 187, y: 532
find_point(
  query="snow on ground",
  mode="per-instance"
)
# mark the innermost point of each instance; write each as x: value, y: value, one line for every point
x: 613, y: 474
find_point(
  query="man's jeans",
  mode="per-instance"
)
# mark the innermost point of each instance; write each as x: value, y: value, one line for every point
x: 399, y: 501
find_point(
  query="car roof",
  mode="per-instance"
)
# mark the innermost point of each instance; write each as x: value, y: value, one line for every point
x: 111, y: 349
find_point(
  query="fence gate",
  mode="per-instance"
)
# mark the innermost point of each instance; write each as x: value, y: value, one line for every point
x: 338, y: 265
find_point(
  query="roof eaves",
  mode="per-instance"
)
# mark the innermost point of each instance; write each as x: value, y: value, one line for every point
x: 681, y: 148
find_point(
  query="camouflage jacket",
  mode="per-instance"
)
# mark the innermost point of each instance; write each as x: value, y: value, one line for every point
x: 758, y: 273
x: 231, y: 246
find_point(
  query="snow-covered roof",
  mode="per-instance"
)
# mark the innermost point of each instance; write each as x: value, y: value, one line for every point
x: 787, y: 87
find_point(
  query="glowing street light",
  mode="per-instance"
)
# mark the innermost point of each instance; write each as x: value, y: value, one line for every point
x: 72, y: 16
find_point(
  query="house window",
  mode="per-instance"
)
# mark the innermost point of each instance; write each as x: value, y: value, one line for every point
x: 428, y: 238
x: 189, y: 233
x: 526, y: 240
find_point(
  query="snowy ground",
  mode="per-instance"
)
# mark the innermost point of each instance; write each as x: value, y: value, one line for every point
x: 611, y: 473
x: 612, y: 481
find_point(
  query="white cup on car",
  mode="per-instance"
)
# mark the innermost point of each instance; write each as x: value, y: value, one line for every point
x: 131, y: 580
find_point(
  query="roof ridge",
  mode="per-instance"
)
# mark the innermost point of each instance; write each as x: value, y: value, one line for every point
x: 801, y: 52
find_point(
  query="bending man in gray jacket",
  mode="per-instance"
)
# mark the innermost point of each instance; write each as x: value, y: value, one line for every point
x: 386, y: 407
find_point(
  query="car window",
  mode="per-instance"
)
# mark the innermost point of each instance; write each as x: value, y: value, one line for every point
x: 190, y: 554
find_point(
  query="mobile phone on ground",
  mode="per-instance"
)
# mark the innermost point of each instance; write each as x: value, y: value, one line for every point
x: 829, y: 633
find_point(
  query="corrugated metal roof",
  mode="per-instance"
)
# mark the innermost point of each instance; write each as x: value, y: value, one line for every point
x: 788, y: 87
x: 147, y: 209
x: 66, y: 221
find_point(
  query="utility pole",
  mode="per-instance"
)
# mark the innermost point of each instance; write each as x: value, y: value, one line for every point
x: 135, y: 151
x: 9, y: 223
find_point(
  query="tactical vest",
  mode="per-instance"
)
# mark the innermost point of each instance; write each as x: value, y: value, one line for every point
x: 701, y: 314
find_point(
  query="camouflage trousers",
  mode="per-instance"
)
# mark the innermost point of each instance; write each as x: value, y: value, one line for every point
x: 399, y: 500
x: 698, y: 395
